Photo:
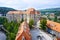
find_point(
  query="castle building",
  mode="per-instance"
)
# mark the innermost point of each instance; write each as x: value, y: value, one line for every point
x: 18, y: 15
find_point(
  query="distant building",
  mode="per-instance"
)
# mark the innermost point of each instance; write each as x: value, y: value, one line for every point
x: 46, y: 13
x: 30, y: 13
x: 58, y: 17
x: 53, y: 28
x: 23, y: 32
x: 52, y: 15
x: 44, y: 16
x: 1, y: 14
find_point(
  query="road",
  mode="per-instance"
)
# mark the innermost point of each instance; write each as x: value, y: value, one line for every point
x: 37, y: 32
x: 2, y: 36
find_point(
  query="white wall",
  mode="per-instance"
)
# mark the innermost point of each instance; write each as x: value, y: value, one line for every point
x: 55, y: 33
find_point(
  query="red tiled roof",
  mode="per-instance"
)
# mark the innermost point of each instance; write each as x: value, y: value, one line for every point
x: 15, y: 12
x: 29, y: 11
x: 53, y: 25
x: 23, y: 32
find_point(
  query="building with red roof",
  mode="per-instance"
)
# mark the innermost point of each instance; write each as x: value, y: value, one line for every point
x: 23, y: 32
x: 18, y: 15
x: 53, y: 28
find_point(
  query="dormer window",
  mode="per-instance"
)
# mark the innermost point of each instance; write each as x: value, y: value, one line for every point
x: 52, y: 25
x: 24, y: 28
x: 23, y: 38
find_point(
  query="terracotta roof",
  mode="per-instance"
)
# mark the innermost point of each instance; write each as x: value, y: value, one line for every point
x: 37, y: 12
x: 22, y: 30
x: 28, y: 11
x: 16, y: 12
x: 53, y: 25
x: 32, y: 11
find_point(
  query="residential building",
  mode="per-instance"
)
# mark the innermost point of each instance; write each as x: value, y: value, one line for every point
x: 30, y: 13
x: 52, y: 15
x: 23, y: 32
x: 44, y: 16
x: 53, y: 28
x: 58, y: 17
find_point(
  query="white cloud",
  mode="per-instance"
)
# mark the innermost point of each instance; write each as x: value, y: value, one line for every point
x: 22, y: 4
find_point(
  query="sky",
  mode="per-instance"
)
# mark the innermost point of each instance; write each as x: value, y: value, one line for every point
x: 25, y: 4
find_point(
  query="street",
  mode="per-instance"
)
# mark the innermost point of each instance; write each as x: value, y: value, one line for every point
x: 37, y: 32
x: 2, y: 34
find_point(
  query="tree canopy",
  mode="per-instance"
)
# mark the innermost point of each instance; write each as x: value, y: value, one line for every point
x: 31, y: 22
x: 43, y: 24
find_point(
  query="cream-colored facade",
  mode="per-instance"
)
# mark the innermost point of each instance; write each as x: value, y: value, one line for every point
x: 30, y: 13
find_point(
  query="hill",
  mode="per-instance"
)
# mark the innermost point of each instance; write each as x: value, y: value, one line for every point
x: 51, y: 10
x: 4, y: 10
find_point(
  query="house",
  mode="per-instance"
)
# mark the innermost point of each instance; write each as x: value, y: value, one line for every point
x: 58, y: 17
x: 53, y: 28
x: 52, y: 16
x: 44, y: 16
x: 18, y: 15
x: 23, y: 32
x: 1, y: 14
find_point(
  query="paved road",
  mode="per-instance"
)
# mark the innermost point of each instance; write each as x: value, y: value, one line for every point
x: 2, y: 36
x: 43, y: 36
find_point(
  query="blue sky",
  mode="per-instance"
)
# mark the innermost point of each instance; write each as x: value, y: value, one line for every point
x: 24, y: 4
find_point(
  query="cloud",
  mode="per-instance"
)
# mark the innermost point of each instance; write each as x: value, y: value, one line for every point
x: 23, y: 4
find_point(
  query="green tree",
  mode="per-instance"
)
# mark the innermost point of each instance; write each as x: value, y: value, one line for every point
x: 2, y: 20
x: 31, y: 22
x: 12, y: 28
x: 43, y: 23
x: 55, y: 19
